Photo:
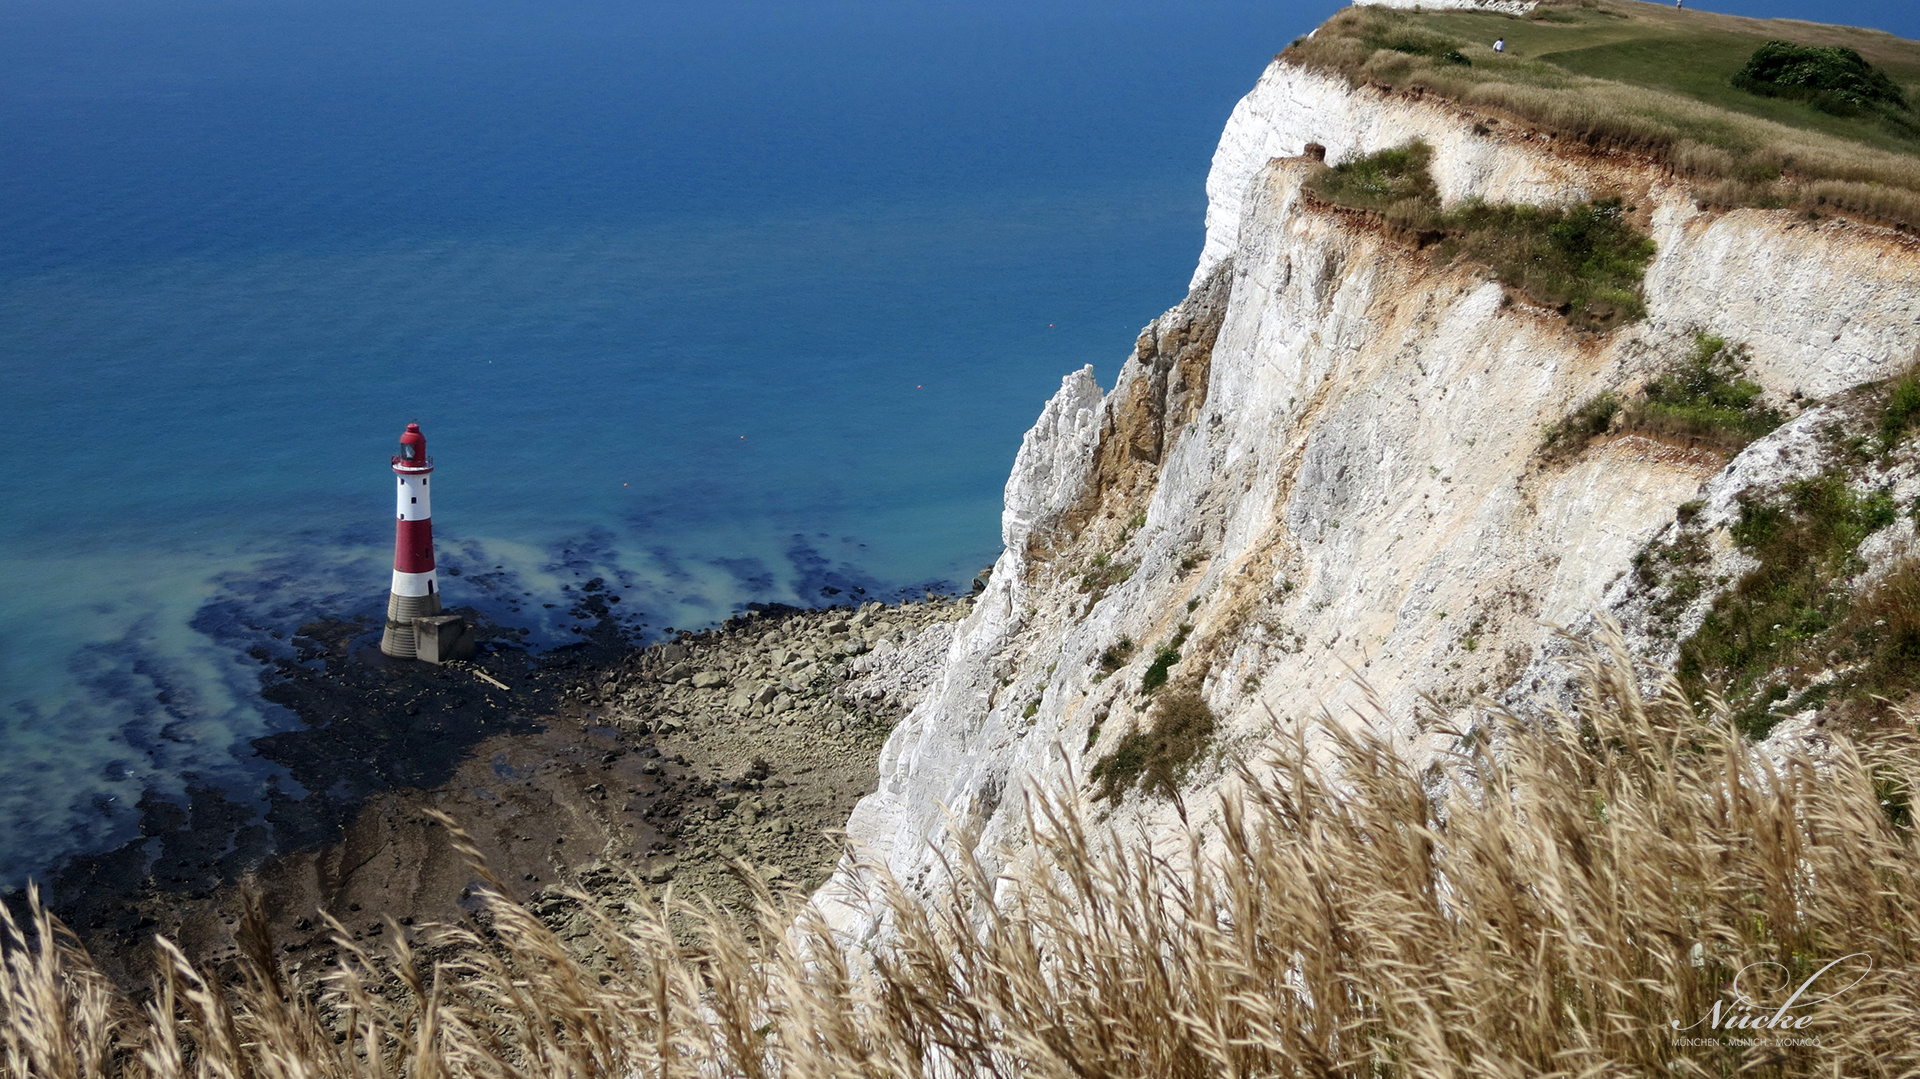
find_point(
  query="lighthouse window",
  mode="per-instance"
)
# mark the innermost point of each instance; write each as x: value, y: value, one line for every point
x: 413, y: 500
x: 406, y: 450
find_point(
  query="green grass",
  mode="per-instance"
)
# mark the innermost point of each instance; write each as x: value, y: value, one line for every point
x: 1795, y: 614
x: 1163, y: 661
x: 1703, y: 66
x: 1103, y: 574
x: 1902, y: 410
x: 1706, y: 399
x: 1395, y: 181
x: 1585, y: 261
x: 1158, y: 758
x: 1645, y: 78
x: 1570, y: 435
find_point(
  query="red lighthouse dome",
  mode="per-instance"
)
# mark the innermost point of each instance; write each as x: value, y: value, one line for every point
x: 413, y: 452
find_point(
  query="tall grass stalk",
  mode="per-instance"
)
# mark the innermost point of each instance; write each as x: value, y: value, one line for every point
x: 1550, y: 905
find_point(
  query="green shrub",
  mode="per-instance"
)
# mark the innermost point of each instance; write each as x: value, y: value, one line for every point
x: 1833, y: 78
x: 1585, y: 261
x: 1163, y: 661
x: 1159, y: 758
x: 1792, y: 613
x: 1156, y: 675
x: 1706, y: 399
x: 1569, y: 436
x: 1116, y: 655
x: 1903, y: 408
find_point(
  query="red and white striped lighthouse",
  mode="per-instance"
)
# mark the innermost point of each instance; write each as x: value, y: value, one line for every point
x: 416, y: 592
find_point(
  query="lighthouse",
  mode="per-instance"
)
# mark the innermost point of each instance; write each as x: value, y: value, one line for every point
x: 416, y: 628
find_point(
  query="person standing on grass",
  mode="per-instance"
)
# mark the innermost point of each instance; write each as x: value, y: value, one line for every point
x: 1499, y: 44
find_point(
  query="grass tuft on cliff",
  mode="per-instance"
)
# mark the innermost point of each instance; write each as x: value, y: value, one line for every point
x: 1568, y: 894
x: 1585, y: 261
x: 1707, y: 399
x: 1794, y: 611
x: 1179, y: 728
x: 1645, y: 78
x: 1704, y: 400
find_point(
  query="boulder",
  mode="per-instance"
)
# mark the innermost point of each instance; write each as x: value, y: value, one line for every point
x: 709, y: 680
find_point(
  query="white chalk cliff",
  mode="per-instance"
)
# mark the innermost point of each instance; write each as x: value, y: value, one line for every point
x: 1325, y: 462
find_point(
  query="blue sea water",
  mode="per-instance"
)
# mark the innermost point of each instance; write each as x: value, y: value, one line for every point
x: 728, y: 302
x: 724, y: 302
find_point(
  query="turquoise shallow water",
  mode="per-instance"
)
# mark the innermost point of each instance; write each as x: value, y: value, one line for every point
x: 748, y: 303
x: 724, y: 303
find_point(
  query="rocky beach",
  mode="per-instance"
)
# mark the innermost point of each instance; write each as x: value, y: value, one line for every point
x: 599, y: 768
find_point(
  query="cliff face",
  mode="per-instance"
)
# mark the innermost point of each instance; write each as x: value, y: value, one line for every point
x: 1323, y: 465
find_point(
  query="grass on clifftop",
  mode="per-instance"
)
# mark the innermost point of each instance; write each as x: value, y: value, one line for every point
x: 1577, y: 897
x: 1585, y: 261
x: 1647, y: 78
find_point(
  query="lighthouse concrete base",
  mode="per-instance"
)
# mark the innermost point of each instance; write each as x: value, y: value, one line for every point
x: 442, y: 638
x: 400, y: 640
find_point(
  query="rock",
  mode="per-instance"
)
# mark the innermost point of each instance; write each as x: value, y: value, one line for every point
x: 741, y: 701
x: 677, y: 673
x: 980, y: 580
x: 853, y: 646
x: 781, y: 703
x: 765, y: 694
x: 661, y: 870
x: 709, y: 680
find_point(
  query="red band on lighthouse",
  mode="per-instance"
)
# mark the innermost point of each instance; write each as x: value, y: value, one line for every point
x: 413, y: 547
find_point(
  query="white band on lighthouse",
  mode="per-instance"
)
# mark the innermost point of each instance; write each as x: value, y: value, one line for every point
x: 414, y: 501
x: 414, y: 584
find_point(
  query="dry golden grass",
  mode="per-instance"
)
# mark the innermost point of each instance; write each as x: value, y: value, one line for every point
x: 1580, y: 885
x: 1735, y: 159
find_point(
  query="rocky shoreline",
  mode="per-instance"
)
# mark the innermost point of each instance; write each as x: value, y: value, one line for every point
x: 601, y: 767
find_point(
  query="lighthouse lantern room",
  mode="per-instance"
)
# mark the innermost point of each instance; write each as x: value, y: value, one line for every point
x: 414, y: 617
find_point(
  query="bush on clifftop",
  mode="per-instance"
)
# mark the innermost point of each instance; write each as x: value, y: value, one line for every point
x: 1833, y: 78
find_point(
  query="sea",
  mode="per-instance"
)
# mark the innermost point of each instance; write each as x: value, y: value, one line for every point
x: 739, y: 301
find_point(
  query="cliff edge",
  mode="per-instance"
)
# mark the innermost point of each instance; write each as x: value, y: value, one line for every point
x: 1316, y: 487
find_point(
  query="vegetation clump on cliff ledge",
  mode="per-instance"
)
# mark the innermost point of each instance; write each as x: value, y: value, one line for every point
x: 1585, y: 261
x: 1748, y: 123
x: 1705, y: 400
